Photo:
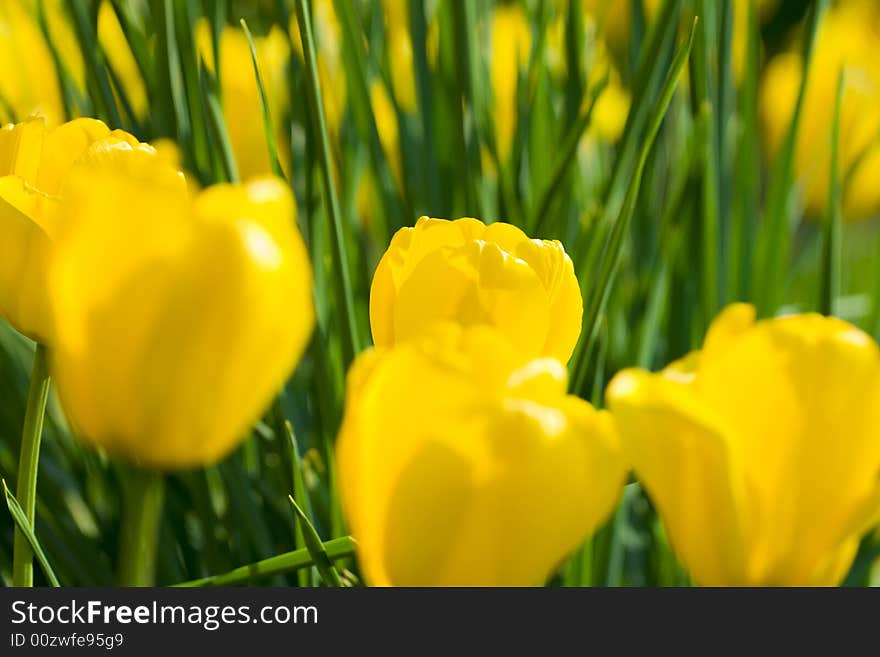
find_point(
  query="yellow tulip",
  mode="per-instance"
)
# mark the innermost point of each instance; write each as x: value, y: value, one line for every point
x: 331, y: 68
x: 761, y: 451
x: 115, y: 45
x: 242, y: 110
x: 462, y: 462
x: 848, y: 39
x: 400, y: 53
x: 29, y: 82
x: 612, y: 106
x: 63, y: 38
x: 387, y: 127
x: 511, y: 46
x: 34, y: 163
x: 179, y: 316
x: 614, y: 20
x: 470, y: 273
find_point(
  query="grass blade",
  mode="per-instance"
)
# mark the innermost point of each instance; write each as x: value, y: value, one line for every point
x: 299, y: 493
x: 352, y: 344
x: 831, y: 244
x: 274, y: 160
x: 648, y: 77
x: 564, y: 162
x: 595, y: 306
x: 316, y: 548
x: 25, y: 528
x: 774, y: 257
x: 747, y: 183
x: 338, y: 548
x: 707, y: 110
x: 94, y: 61
x: 217, y: 131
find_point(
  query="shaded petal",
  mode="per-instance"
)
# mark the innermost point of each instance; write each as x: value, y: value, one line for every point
x: 683, y: 457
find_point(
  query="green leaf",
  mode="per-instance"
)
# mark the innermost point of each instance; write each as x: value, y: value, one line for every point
x: 274, y: 160
x: 299, y: 493
x: 338, y: 548
x: 316, y: 548
x: 564, y: 161
x: 610, y: 258
x: 830, y: 267
x: 352, y: 344
x: 93, y: 57
x: 775, y: 239
x: 24, y: 526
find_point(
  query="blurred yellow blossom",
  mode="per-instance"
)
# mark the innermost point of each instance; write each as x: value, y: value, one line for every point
x: 470, y: 273
x: 760, y: 451
x: 458, y: 437
x: 34, y: 164
x: 614, y: 19
x: 612, y: 106
x: 848, y: 40
x: 331, y: 68
x: 179, y: 316
x: 121, y: 60
x: 388, y: 128
x: 400, y: 53
x: 511, y: 45
x: 242, y: 110
x: 29, y: 82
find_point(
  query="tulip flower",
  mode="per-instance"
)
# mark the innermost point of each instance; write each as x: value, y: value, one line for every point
x: 400, y: 53
x: 331, y: 68
x: 470, y: 273
x: 462, y: 462
x: 848, y: 40
x: 31, y: 83
x: 614, y: 19
x: 387, y: 127
x: 761, y: 450
x: 179, y: 316
x: 612, y: 106
x: 511, y: 46
x: 34, y: 163
x: 121, y: 60
x: 242, y: 109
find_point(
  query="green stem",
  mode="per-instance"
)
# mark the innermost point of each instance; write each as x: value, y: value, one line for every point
x: 26, y: 491
x: 830, y: 267
x: 142, y: 495
x: 352, y: 345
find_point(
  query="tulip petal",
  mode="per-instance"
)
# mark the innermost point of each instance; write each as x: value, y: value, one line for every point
x: 24, y: 253
x: 20, y: 148
x: 798, y: 380
x: 458, y: 433
x: 683, y: 457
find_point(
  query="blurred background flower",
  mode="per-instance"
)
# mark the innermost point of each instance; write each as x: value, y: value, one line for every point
x: 241, y: 96
x: 848, y: 44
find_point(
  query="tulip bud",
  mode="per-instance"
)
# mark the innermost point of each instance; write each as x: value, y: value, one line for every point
x: 34, y: 163
x: 761, y: 451
x: 463, y: 462
x: 179, y: 316
x: 241, y: 96
x: 470, y: 273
